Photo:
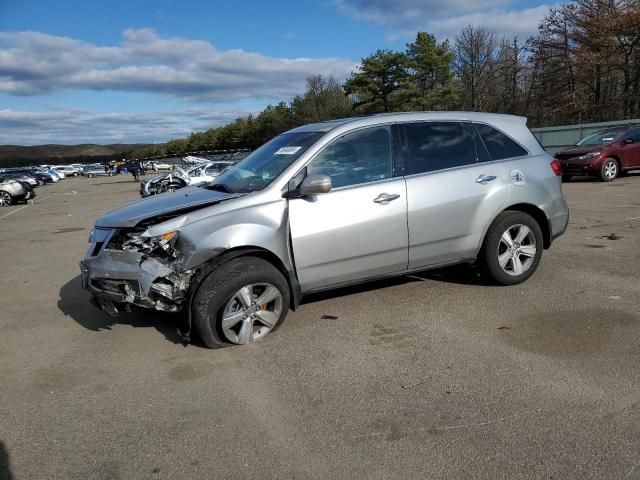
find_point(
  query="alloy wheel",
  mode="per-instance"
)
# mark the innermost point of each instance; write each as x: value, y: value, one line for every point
x: 5, y: 199
x: 251, y: 313
x: 517, y: 250
x: 610, y: 169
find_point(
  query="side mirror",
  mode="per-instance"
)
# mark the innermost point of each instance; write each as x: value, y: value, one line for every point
x: 314, y: 184
x: 627, y: 141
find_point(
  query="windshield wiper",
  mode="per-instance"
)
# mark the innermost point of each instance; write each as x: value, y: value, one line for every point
x: 220, y: 187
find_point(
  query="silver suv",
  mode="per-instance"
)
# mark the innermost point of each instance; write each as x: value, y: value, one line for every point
x: 327, y: 205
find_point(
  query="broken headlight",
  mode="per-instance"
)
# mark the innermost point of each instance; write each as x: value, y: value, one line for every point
x: 147, y: 244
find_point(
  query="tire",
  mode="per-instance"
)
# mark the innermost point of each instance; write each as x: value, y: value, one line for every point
x: 609, y: 170
x: 509, y: 266
x: 90, y: 175
x: 40, y: 182
x: 217, y: 299
x: 566, y: 178
x: 75, y: 174
x: 110, y: 174
x: 5, y: 199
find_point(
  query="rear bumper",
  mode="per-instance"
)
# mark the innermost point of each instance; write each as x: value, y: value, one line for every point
x: 25, y: 196
x: 557, y: 213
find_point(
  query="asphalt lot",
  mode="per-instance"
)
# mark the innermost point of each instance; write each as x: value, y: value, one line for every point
x: 433, y: 376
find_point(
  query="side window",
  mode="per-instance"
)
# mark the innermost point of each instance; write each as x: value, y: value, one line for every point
x: 499, y: 145
x: 438, y: 145
x: 358, y: 157
x: 481, y: 150
x: 634, y: 134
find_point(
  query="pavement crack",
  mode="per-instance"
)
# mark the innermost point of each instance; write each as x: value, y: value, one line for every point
x: 490, y: 422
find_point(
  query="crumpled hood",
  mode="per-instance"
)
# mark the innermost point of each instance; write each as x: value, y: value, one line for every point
x: 188, y: 198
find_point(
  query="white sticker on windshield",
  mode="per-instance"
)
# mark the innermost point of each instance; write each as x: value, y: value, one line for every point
x: 287, y: 150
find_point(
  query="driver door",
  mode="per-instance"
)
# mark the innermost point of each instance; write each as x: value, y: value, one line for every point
x: 630, y: 152
x: 359, y: 229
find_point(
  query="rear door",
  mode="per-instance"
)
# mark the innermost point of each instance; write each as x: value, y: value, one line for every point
x: 359, y: 229
x: 453, y: 191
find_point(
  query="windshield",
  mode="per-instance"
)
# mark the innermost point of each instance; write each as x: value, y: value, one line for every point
x: 601, y: 138
x: 263, y: 165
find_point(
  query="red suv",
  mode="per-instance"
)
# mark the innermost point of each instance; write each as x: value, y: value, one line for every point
x: 606, y: 154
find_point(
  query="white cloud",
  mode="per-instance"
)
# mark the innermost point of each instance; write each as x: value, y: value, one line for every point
x: 410, y: 13
x: 81, y: 126
x: 33, y: 63
x: 446, y: 18
x: 516, y: 23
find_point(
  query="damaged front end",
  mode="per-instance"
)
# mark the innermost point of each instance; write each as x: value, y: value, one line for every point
x: 136, y: 266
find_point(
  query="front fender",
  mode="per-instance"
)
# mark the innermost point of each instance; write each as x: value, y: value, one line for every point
x: 263, y: 226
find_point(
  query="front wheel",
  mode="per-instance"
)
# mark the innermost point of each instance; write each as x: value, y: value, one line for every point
x: 5, y: 199
x: 512, y: 248
x: 609, y: 170
x: 240, y: 302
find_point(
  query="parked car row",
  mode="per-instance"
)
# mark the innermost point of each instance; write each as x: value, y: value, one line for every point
x: 18, y: 184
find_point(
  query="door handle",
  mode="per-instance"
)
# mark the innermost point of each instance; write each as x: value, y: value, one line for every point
x: 484, y: 179
x: 385, y: 198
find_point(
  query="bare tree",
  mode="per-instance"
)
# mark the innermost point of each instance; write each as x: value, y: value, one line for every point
x: 475, y: 59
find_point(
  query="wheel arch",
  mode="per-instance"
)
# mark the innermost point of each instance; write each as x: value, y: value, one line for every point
x: 536, y: 212
x: 614, y: 157
x: 212, y: 264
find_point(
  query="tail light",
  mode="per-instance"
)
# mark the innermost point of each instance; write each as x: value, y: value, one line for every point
x: 556, y: 167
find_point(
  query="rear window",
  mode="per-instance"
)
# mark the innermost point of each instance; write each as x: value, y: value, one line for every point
x: 498, y: 144
x: 438, y: 145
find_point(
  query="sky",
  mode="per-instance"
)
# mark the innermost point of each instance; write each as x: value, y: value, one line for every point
x: 146, y: 71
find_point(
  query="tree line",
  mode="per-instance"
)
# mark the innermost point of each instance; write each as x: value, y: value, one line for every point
x: 583, y: 65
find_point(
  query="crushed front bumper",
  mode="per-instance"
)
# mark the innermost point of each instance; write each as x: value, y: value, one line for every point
x: 119, y: 279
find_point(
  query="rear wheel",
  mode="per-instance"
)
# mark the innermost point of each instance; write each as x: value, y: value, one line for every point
x: 90, y: 175
x: 512, y: 248
x: 5, y: 199
x: 609, y: 170
x: 240, y: 302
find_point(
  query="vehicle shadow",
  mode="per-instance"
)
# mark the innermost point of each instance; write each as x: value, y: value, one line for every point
x: 5, y: 464
x: 464, y: 274
x: 75, y: 302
